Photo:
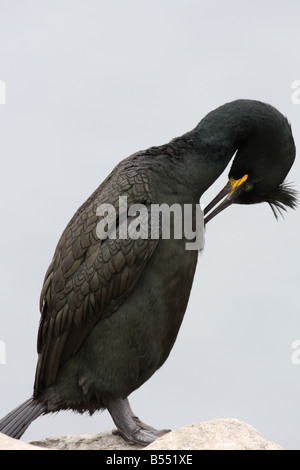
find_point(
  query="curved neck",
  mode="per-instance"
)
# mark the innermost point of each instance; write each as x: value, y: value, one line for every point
x: 231, y: 123
x: 221, y: 133
x: 195, y: 160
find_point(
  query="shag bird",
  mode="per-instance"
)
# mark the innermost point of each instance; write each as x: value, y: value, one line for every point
x: 111, y: 308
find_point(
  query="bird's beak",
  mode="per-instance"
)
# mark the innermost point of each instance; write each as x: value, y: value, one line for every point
x: 230, y: 192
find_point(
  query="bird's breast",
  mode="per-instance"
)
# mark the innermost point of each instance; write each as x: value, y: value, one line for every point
x: 160, y: 300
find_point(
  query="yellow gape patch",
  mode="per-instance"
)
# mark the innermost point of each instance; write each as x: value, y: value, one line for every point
x: 235, y: 183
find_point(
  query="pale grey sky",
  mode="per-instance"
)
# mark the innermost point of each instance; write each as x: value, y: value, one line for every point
x: 89, y: 83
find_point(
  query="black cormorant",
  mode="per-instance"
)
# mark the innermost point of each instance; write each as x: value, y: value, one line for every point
x: 111, y: 308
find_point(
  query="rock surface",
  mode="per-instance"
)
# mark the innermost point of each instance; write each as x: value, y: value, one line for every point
x: 103, y: 441
x: 7, y: 443
x: 219, y: 434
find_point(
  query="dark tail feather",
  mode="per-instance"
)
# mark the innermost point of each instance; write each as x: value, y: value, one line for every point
x: 17, y: 421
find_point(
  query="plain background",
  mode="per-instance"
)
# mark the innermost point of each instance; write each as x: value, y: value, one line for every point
x: 87, y: 84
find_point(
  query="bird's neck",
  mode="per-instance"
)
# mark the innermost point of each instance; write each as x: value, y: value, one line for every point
x: 186, y: 167
x: 229, y: 124
x: 214, y: 141
x: 195, y: 160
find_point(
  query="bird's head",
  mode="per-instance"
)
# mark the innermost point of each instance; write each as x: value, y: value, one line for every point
x: 261, y: 163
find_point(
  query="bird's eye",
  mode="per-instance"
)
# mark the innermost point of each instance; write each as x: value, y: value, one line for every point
x: 247, y: 186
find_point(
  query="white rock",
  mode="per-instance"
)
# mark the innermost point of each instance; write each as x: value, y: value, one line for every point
x: 7, y: 443
x: 219, y: 434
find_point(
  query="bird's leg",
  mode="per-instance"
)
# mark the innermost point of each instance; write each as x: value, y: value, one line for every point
x: 128, y: 429
x: 142, y: 425
x: 129, y: 426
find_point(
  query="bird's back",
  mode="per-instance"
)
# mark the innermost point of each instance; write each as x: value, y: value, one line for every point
x: 90, y: 280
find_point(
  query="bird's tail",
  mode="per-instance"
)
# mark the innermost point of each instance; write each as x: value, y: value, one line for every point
x: 17, y: 421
